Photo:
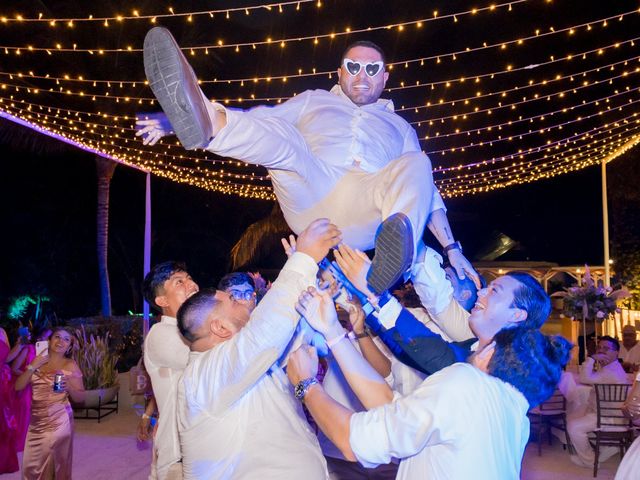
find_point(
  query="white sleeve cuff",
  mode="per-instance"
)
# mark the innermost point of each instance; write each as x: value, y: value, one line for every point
x: 389, y: 313
x: 303, y: 264
x: 431, y: 284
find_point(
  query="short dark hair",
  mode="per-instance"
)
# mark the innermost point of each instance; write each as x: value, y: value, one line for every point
x: 367, y: 44
x: 531, y: 298
x: 614, y: 341
x: 194, y: 311
x: 529, y: 361
x: 154, y: 280
x: 235, y: 278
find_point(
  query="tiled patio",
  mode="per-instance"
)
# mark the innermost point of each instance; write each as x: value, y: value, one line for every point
x: 109, y: 451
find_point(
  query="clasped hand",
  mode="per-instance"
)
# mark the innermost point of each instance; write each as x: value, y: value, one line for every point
x: 317, y: 307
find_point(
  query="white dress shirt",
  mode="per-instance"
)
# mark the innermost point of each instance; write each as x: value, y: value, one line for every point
x: 323, y: 153
x: 237, y: 416
x: 436, y: 295
x: 165, y: 357
x: 630, y: 356
x: 460, y: 423
x: 611, y: 373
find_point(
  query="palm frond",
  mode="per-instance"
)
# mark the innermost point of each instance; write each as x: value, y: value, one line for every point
x: 258, y: 239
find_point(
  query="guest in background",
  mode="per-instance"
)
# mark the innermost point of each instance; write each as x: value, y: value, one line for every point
x: 601, y: 367
x: 630, y: 349
x: 24, y: 357
x: 48, y: 452
x: 8, y: 452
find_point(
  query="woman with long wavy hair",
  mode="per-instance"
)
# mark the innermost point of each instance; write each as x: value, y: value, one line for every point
x: 48, y: 452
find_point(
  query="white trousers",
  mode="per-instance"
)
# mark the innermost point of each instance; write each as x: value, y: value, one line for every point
x: 308, y: 187
x: 578, y: 429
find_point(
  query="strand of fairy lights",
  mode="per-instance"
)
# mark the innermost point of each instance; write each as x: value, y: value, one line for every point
x: 194, y: 182
x: 329, y: 73
x: 533, y: 149
x: 496, y: 126
x: 282, y: 42
x: 442, y: 102
x: 555, y: 79
x: 226, y: 163
x: 151, y: 100
x: 516, y: 103
x: 136, y: 14
x: 463, y: 147
x: 586, y: 136
x: 465, y: 115
x: 528, y: 162
x: 519, y: 136
x: 315, y: 38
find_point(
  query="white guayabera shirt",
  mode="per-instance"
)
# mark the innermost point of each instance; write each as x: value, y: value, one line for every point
x: 165, y: 357
x: 237, y: 416
x: 460, y: 423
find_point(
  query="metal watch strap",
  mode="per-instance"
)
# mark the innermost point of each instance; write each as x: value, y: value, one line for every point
x: 303, y: 386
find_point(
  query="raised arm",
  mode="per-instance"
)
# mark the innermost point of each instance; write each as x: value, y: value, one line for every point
x: 368, y: 347
x: 318, y: 309
x: 23, y: 380
x: 235, y: 365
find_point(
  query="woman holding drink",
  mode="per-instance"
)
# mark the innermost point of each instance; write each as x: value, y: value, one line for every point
x: 54, y: 377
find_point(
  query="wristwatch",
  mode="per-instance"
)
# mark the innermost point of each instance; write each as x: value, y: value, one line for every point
x: 303, y: 386
x: 452, y: 246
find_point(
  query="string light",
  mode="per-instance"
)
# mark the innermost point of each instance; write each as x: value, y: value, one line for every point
x: 136, y: 14
x: 483, y: 130
x: 314, y: 38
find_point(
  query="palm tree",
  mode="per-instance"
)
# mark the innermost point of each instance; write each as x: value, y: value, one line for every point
x: 104, y: 169
x: 260, y: 241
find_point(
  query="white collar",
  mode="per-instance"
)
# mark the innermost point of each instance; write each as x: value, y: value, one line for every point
x: 380, y: 103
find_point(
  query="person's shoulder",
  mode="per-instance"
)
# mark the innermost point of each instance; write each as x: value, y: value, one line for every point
x: 460, y: 372
x: 70, y: 365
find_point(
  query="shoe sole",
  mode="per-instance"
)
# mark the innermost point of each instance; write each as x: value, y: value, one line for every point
x: 394, y: 253
x: 167, y: 71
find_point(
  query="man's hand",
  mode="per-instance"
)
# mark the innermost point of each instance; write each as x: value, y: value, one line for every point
x: 154, y: 126
x: 463, y: 267
x: 600, y: 359
x: 303, y: 364
x: 355, y: 266
x: 318, y: 309
x: 356, y: 316
x: 143, y: 432
x: 289, y: 245
x: 318, y: 238
x: 482, y: 358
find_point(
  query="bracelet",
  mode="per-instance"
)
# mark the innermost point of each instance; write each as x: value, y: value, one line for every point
x: 334, y: 341
x: 452, y: 246
x: 31, y: 368
x: 361, y: 335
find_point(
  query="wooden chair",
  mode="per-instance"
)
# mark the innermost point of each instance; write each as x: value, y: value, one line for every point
x: 612, y: 428
x: 550, y: 414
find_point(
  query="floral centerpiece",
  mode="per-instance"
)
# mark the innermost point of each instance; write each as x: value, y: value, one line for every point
x: 589, y: 301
